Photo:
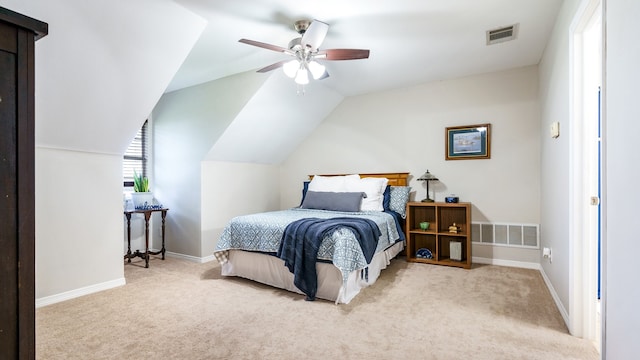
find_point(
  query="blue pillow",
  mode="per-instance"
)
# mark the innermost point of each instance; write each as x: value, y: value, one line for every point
x: 334, y: 201
x: 398, y: 198
x: 305, y: 187
x: 386, y: 198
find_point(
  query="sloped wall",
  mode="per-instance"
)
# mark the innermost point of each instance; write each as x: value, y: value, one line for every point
x: 186, y: 124
x: 274, y: 122
x: 228, y: 136
x: 103, y: 66
x: 99, y: 72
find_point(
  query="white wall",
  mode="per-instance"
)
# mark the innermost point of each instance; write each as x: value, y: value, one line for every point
x: 274, y: 121
x: 555, y: 102
x: 622, y: 290
x: 236, y: 119
x: 186, y: 124
x: 404, y: 130
x: 621, y: 320
x: 103, y: 66
x: 99, y: 72
x: 232, y: 189
x: 78, y: 221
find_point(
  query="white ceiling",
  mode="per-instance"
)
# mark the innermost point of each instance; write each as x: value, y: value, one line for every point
x: 411, y: 41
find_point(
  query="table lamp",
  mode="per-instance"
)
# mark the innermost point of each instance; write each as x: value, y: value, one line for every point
x: 427, y: 177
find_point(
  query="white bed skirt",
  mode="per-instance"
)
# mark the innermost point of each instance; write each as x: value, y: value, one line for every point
x: 271, y: 270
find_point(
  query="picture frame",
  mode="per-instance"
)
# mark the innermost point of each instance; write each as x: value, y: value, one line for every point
x: 468, y: 142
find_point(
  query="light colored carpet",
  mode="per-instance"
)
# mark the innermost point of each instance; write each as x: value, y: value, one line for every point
x: 181, y: 310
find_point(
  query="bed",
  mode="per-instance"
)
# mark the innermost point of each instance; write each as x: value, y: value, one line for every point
x: 255, y: 246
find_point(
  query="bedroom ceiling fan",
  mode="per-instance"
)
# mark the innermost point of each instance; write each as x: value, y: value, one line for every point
x: 306, y: 51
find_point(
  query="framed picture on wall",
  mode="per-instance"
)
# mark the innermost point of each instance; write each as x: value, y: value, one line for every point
x: 468, y: 142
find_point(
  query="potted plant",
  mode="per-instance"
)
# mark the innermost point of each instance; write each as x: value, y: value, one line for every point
x: 142, y: 197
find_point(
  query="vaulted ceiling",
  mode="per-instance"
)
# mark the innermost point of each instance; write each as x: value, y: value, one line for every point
x: 411, y: 41
x: 104, y: 65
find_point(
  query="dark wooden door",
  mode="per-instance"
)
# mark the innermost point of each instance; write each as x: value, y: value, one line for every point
x: 17, y: 185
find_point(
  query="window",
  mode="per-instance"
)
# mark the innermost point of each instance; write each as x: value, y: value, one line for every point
x: 136, y: 156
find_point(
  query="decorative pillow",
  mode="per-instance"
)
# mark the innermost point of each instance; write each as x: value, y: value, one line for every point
x: 305, y: 188
x: 386, y: 198
x: 331, y: 183
x: 374, y: 188
x: 334, y: 201
x: 398, y: 198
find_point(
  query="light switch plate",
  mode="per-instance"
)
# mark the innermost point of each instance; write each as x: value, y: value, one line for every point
x: 555, y: 129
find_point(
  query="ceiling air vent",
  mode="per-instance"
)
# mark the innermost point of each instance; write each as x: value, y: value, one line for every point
x: 501, y: 35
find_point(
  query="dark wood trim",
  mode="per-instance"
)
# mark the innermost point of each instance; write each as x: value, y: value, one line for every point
x: 17, y: 40
x: 26, y: 195
x: 39, y: 28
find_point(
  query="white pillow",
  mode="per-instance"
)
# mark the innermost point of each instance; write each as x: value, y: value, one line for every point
x: 374, y: 188
x: 321, y: 183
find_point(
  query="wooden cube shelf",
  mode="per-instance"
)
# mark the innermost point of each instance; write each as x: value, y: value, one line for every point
x: 448, y: 223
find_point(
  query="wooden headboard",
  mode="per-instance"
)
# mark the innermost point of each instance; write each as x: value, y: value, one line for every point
x: 395, y: 179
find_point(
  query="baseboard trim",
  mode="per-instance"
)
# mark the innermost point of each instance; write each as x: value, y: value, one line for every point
x: 200, y: 260
x: 68, y: 295
x: 556, y: 298
x: 511, y: 263
x: 72, y: 294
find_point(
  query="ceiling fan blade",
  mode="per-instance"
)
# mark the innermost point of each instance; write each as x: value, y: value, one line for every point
x: 265, y: 45
x: 343, y: 54
x: 315, y: 34
x: 324, y: 76
x: 272, y: 66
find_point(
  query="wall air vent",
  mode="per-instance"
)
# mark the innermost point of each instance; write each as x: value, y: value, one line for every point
x: 506, y: 234
x: 503, y: 34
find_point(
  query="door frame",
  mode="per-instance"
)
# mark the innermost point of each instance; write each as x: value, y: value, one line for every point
x: 586, y: 59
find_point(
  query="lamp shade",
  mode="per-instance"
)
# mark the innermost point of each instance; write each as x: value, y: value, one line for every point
x: 302, y: 78
x: 291, y: 68
x: 316, y: 69
x: 427, y: 176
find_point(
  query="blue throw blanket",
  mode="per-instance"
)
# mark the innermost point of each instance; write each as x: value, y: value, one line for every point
x: 301, y: 240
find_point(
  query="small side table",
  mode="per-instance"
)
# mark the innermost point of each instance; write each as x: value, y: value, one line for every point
x: 147, y: 215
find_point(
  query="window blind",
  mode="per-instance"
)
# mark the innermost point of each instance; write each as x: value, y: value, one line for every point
x: 136, y: 156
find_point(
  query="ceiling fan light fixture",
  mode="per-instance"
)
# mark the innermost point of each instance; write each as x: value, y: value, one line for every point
x: 290, y: 68
x: 306, y: 51
x: 316, y: 69
x: 302, y: 77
